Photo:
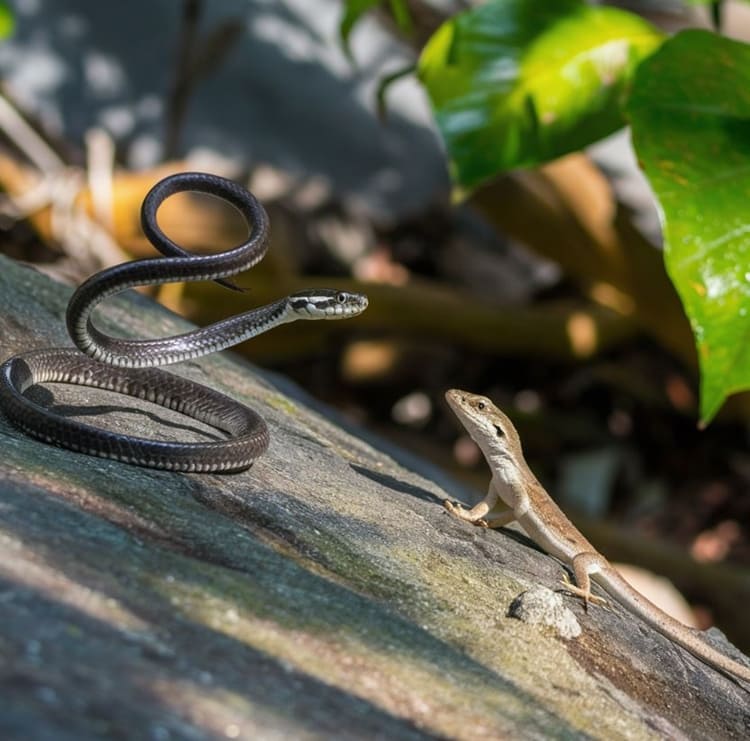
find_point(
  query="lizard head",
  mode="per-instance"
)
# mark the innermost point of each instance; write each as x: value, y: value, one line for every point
x: 490, y: 429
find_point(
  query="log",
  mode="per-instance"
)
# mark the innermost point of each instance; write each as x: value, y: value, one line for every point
x: 324, y: 593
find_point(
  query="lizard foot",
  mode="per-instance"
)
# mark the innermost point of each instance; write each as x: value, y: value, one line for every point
x: 455, y: 509
x: 464, y: 514
x: 584, y: 594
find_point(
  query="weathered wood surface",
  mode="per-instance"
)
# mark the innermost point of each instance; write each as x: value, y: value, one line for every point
x: 324, y: 593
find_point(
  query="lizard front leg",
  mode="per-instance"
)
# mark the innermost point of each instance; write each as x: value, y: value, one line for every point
x: 477, y: 513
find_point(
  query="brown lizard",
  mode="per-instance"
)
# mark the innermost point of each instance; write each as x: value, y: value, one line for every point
x: 532, y: 507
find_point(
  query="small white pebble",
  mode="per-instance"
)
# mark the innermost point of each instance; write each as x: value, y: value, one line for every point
x: 542, y: 606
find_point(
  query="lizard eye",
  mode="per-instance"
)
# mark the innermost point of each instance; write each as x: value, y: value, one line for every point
x: 500, y: 431
x: 481, y: 405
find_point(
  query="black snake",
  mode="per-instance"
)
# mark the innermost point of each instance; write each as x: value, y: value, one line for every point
x: 127, y: 366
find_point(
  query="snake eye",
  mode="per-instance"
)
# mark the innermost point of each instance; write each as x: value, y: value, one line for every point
x: 341, y: 298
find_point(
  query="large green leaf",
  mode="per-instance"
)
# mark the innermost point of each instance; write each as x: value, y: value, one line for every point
x: 690, y: 112
x: 514, y: 83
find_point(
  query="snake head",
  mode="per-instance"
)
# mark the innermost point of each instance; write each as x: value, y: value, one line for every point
x: 327, y: 303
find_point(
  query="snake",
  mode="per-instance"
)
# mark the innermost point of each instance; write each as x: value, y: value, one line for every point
x: 131, y: 366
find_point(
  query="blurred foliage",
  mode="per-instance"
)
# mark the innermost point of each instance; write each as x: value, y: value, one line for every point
x: 691, y: 134
x: 6, y: 21
x: 518, y: 83
x: 355, y: 9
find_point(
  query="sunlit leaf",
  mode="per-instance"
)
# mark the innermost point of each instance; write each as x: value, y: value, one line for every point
x: 690, y: 111
x: 514, y: 83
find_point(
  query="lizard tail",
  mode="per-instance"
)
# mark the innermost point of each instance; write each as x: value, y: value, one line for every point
x: 688, y: 638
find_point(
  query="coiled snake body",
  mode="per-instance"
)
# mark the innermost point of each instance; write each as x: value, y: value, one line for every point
x: 128, y: 366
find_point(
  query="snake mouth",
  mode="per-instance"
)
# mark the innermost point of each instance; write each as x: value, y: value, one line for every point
x: 356, y: 304
x: 327, y: 303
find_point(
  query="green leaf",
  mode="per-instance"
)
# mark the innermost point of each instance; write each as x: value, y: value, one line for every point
x: 7, y: 21
x: 400, y: 12
x: 355, y: 9
x: 515, y: 83
x: 690, y: 112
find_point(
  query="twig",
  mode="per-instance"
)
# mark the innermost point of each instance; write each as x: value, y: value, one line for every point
x: 183, y: 78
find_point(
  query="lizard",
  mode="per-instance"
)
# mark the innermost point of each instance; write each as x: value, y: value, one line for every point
x: 546, y: 524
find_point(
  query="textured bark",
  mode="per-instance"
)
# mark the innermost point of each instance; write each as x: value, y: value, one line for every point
x: 324, y: 593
